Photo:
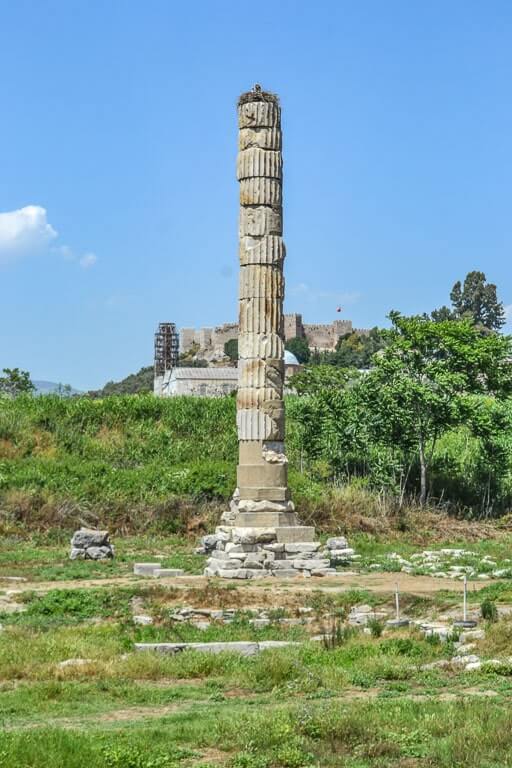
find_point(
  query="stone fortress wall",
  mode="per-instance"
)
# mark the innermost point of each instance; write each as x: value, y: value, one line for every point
x: 321, y: 336
x: 208, y: 338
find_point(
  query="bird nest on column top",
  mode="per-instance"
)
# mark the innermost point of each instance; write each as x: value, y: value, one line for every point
x: 257, y: 94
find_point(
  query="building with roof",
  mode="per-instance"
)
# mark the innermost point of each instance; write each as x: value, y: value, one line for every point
x: 199, y: 382
x: 209, y: 382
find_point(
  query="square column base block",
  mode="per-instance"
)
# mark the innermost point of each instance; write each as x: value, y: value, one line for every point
x: 295, y: 533
x: 264, y: 475
x: 265, y: 519
x: 250, y: 493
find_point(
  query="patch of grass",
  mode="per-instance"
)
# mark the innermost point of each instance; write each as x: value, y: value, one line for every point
x: 40, y: 558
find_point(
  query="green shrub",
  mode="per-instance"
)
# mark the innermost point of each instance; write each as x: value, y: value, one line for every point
x: 488, y: 610
x: 376, y: 627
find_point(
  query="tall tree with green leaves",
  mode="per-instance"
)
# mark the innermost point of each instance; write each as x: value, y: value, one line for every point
x: 299, y: 347
x: 424, y: 380
x: 478, y: 299
x: 15, y: 382
x: 231, y: 349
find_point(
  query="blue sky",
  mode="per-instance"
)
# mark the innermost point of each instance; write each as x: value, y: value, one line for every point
x: 119, y: 121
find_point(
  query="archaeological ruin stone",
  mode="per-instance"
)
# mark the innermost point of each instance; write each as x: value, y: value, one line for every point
x: 261, y: 521
x: 91, y: 544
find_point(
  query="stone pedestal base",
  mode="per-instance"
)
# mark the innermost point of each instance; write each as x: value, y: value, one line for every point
x: 264, y: 538
x: 256, y: 552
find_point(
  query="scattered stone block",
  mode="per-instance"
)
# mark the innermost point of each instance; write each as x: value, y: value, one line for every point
x: 227, y: 565
x: 286, y: 573
x: 337, y: 542
x: 463, y: 661
x: 145, y: 569
x: 143, y: 620
x: 166, y: 573
x: 244, y: 648
x: 74, y: 663
x: 99, y: 553
x: 89, y: 537
x: 302, y: 547
x: 309, y: 565
x: 91, y: 544
x: 239, y: 573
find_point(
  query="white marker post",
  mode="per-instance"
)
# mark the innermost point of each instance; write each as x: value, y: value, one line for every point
x: 397, y: 621
x: 465, y: 623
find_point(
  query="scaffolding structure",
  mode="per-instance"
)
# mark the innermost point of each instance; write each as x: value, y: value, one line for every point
x: 166, y: 348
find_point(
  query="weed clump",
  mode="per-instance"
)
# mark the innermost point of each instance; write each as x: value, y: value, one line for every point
x: 489, y: 610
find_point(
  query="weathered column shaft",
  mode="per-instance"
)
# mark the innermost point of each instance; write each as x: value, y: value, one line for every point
x: 262, y: 469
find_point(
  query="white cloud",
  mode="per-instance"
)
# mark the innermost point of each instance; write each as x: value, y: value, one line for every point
x: 27, y: 231
x: 508, y: 315
x: 24, y: 231
x: 88, y: 260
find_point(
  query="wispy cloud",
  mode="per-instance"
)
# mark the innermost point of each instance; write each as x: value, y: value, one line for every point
x: 85, y: 261
x: 508, y: 315
x: 88, y: 260
x: 23, y: 232
x: 307, y: 293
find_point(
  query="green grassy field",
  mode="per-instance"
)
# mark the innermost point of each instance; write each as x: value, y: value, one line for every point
x: 73, y: 690
x: 367, y: 701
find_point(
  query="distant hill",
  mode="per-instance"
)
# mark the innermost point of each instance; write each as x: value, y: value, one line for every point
x: 52, y: 388
x: 131, y: 385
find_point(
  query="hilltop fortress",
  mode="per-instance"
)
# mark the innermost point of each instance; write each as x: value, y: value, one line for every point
x: 320, y: 336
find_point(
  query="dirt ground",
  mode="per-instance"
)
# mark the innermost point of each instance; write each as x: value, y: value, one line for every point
x: 380, y: 583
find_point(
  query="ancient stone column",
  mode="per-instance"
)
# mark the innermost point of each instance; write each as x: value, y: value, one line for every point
x: 262, y: 469
x: 260, y: 534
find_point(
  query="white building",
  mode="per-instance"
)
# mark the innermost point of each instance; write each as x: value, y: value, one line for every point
x: 208, y: 382
x: 201, y: 382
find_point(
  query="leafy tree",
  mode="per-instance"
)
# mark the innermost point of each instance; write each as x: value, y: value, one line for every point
x: 357, y: 349
x: 316, y: 379
x: 443, y: 313
x: 478, y: 299
x: 353, y: 350
x: 423, y: 382
x: 231, y: 349
x: 15, y: 382
x: 299, y: 347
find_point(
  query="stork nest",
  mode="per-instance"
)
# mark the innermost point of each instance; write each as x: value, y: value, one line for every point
x: 258, y: 95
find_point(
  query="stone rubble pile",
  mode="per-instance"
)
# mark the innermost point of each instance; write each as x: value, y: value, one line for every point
x: 243, y: 647
x: 252, y: 553
x: 156, y: 570
x: 442, y: 564
x: 260, y: 617
x: 91, y: 544
x: 362, y: 615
